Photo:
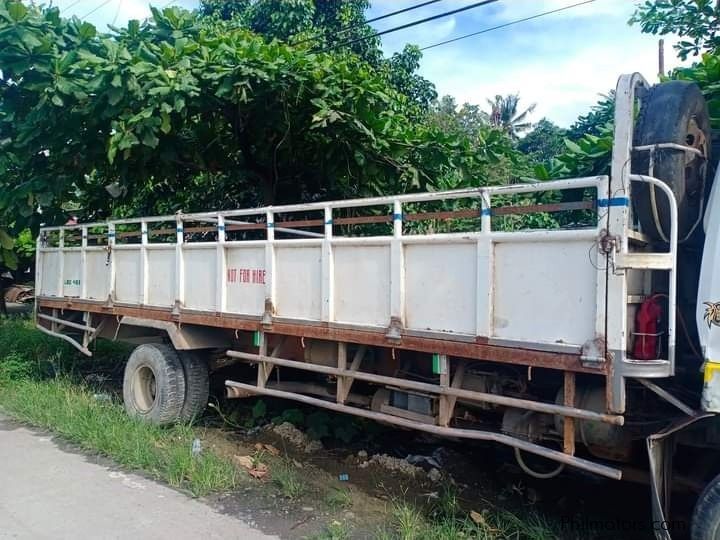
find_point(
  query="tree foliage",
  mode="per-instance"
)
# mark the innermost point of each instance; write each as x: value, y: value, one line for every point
x: 505, y: 114
x: 696, y: 21
x: 186, y: 111
x: 544, y: 142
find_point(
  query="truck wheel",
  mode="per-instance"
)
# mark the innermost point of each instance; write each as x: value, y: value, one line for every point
x: 705, y: 523
x: 672, y: 112
x: 197, y: 385
x: 154, y: 384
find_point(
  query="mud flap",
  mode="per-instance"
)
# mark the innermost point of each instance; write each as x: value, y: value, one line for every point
x: 660, y: 448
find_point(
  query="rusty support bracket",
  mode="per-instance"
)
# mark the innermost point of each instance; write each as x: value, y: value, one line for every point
x: 569, y: 421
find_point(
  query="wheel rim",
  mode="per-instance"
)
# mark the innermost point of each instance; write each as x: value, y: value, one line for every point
x: 144, y: 388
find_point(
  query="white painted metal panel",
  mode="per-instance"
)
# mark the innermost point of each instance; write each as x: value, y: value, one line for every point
x: 98, y: 275
x: 298, y: 287
x: 160, y: 277
x: 127, y: 275
x: 441, y: 289
x: 545, y: 292
x: 362, y: 284
x: 72, y: 274
x: 50, y: 269
x: 245, y: 279
x: 199, y: 278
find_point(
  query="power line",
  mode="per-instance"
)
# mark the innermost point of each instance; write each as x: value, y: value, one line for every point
x: 399, y: 11
x: 75, y: 3
x: 105, y: 3
x: 117, y: 12
x: 368, y: 21
x: 536, y: 16
x: 410, y: 24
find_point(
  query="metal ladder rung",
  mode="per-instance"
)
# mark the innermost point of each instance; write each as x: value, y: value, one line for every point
x: 645, y: 261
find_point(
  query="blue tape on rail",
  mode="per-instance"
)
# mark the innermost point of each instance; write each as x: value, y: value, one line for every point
x: 615, y: 201
x: 179, y: 230
x: 397, y: 217
x: 111, y: 235
x: 328, y: 222
x: 486, y: 212
x: 270, y: 225
x: 221, y: 228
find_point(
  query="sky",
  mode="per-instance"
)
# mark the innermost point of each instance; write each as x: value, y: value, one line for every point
x: 561, y: 62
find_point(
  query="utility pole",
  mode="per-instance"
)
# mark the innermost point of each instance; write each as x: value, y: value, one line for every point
x: 661, y: 57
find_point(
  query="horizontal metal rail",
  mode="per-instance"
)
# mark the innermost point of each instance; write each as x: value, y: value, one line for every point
x: 553, y: 185
x: 70, y: 340
x: 58, y: 320
x: 526, y: 446
x: 484, y: 397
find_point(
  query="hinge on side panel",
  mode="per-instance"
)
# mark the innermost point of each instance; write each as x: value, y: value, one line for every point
x: 608, y: 243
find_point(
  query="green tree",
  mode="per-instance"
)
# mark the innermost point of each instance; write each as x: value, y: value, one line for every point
x: 189, y: 112
x: 696, y: 21
x: 504, y: 114
x: 596, y: 121
x: 544, y: 142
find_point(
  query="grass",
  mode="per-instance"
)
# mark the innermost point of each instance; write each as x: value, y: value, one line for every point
x: 72, y: 412
x: 287, y: 479
x: 336, y: 530
x: 38, y: 386
x: 447, y: 521
x: 338, y: 499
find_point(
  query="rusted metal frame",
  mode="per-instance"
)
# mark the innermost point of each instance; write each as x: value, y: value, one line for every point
x: 363, y: 220
x: 549, y: 207
x: 450, y: 401
x: 344, y: 384
x: 238, y: 389
x: 264, y: 368
x: 63, y: 323
x: 569, y: 421
x: 469, y: 395
x: 477, y: 350
x: 667, y: 396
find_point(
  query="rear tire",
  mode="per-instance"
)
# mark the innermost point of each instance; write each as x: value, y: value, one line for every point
x: 197, y: 385
x: 705, y: 523
x: 154, y: 384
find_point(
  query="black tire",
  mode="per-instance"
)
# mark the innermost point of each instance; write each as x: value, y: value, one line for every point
x: 705, y: 523
x: 197, y: 385
x: 154, y: 384
x: 672, y: 112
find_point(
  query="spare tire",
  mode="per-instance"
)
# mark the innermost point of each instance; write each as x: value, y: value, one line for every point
x: 672, y: 112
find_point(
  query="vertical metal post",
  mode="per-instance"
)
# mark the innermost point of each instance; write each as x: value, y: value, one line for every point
x: 484, y: 283
x: 179, y: 265
x: 618, y: 212
x: 61, y: 262
x: 143, y: 263
x: 444, y: 412
x: 342, y: 364
x: 264, y: 369
x: 221, y: 285
x: 269, y: 268
x: 327, y: 278
x: 83, y: 262
x: 397, y: 275
x: 568, y: 421
x: 111, y: 262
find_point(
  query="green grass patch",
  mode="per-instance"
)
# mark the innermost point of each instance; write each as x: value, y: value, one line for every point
x: 38, y: 375
x: 447, y: 521
x: 72, y: 412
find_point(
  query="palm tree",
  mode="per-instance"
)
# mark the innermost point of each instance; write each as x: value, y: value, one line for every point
x: 504, y: 114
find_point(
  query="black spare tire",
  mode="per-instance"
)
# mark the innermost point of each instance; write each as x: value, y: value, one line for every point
x: 672, y: 112
x: 154, y: 384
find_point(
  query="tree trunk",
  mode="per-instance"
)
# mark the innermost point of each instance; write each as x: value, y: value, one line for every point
x: 3, y: 305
